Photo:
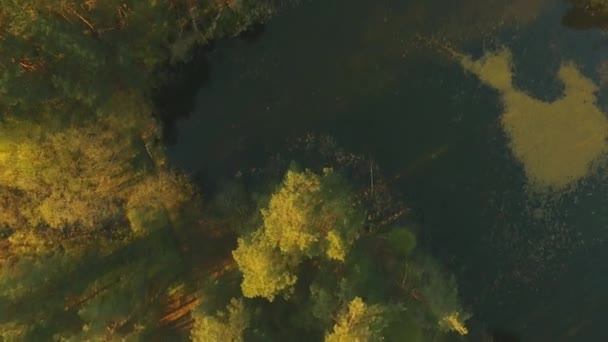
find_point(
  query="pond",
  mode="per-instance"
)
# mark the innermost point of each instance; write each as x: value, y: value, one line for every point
x: 501, y: 158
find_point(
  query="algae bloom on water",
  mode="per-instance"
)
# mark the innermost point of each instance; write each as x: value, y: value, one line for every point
x: 557, y: 142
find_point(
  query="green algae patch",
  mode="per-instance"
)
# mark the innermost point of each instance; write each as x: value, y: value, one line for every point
x: 557, y: 142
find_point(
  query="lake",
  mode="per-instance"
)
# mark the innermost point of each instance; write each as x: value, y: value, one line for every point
x: 489, y: 186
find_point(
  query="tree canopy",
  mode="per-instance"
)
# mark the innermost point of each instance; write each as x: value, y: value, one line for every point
x: 226, y: 325
x: 313, y: 247
x: 58, y: 56
x: 309, y: 216
x: 360, y: 323
x: 91, y: 210
x: 102, y: 240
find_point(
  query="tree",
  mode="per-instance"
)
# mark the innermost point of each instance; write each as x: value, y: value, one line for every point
x: 82, y: 200
x: 63, y: 183
x: 228, y: 326
x: 88, y: 203
x: 71, y: 177
x: 360, y: 322
x: 71, y: 54
x: 289, y: 221
x: 308, y: 216
x: 401, y: 241
x: 266, y: 271
x: 107, y: 293
x: 439, y: 294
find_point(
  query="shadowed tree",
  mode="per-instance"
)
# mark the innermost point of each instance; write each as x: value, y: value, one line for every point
x: 69, y: 56
x: 228, y: 326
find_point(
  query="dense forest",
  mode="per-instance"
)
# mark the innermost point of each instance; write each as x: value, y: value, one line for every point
x: 103, y: 239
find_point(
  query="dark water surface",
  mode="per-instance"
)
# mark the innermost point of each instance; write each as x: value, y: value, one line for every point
x: 369, y: 73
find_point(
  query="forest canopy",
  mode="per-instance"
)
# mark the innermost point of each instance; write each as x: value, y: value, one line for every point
x: 101, y: 239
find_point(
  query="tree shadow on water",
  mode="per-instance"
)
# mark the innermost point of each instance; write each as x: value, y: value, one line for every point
x: 175, y: 97
x: 180, y: 82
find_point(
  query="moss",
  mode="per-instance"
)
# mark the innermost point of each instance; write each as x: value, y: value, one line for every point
x: 557, y: 142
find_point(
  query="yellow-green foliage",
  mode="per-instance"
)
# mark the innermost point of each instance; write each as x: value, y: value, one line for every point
x: 76, y: 53
x: 336, y: 249
x: 310, y: 213
x: 266, y: 272
x: 73, y: 176
x: 359, y: 323
x: 289, y: 219
x: 146, y: 219
x: 25, y: 242
x: 453, y: 322
x: 92, y: 174
x: 227, y: 326
x: 12, y: 332
x: 308, y: 216
x: 79, y: 175
x: 557, y: 142
x: 157, y: 195
x: 12, y: 203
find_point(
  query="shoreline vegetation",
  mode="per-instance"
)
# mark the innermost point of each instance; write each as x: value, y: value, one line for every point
x: 102, y: 240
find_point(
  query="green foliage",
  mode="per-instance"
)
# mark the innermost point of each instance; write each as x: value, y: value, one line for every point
x: 30, y: 274
x: 88, y: 203
x: 323, y: 303
x: 311, y: 222
x: 289, y: 221
x: 228, y: 326
x: 70, y: 177
x: 335, y: 249
x: 67, y: 54
x: 306, y: 217
x: 88, y: 247
x: 308, y: 209
x: 439, y: 292
x: 62, y: 185
x: 13, y: 332
x: 401, y: 241
x: 403, y: 328
x: 266, y: 272
x: 101, y: 293
x: 359, y: 322
x: 155, y: 201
